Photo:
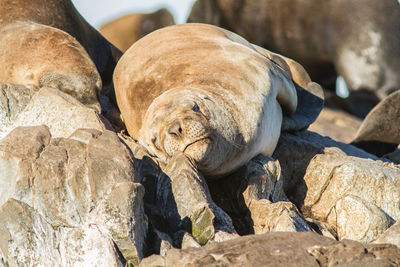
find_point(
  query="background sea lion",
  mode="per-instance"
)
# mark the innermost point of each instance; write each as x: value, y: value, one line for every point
x: 48, y: 57
x: 62, y: 15
x: 207, y: 92
x: 356, y: 39
x: 124, y: 31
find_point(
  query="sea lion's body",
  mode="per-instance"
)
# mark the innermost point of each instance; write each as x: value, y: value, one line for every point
x: 204, y: 91
x: 48, y: 43
x: 61, y: 14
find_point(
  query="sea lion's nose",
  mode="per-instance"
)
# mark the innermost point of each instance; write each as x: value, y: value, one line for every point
x: 176, y: 130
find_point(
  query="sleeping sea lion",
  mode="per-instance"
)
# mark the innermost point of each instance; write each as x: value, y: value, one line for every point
x: 207, y: 92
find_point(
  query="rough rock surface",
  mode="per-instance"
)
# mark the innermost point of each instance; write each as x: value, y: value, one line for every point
x: 356, y: 194
x: 281, y: 249
x: 391, y: 236
x: 69, y: 201
x: 29, y: 106
x: 254, y: 199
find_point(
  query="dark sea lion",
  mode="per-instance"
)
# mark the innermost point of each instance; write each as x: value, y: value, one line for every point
x: 379, y: 133
x: 124, y: 31
x: 357, y: 39
x: 207, y: 92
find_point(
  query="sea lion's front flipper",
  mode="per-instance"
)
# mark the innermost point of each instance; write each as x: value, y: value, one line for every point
x: 310, y: 102
x: 310, y: 96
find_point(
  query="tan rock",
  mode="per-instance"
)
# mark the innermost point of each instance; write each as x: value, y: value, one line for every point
x: 254, y: 199
x: 357, y: 219
x: 391, y: 236
x: 328, y: 179
x: 60, y: 112
x: 193, y: 202
x: 280, y: 249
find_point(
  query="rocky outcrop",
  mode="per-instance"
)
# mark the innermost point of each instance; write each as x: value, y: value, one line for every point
x: 69, y: 201
x: 281, y: 249
x: 356, y: 194
x: 30, y: 106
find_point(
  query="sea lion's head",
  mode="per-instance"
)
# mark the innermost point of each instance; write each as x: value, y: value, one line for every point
x: 191, y: 121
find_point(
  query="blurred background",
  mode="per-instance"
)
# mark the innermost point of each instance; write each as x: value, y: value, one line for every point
x: 100, y: 12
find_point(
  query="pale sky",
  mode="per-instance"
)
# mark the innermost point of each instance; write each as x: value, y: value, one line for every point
x: 98, y: 12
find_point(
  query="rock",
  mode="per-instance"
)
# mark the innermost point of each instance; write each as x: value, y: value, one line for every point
x: 357, y: 219
x: 254, y: 199
x: 13, y: 100
x: 391, y: 236
x: 29, y: 106
x: 187, y: 193
x: 124, y: 31
x: 280, y: 249
x: 330, y: 179
x: 80, y: 202
x: 336, y: 124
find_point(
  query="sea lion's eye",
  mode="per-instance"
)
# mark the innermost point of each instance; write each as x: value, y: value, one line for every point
x: 196, y: 108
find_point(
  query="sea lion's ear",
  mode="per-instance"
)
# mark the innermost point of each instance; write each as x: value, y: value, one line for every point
x: 310, y: 96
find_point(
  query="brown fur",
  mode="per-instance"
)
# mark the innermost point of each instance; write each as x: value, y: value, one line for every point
x: 61, y: 14
x: 126, y: 30
x: 204, y: 91
x: 44, y: 56
x: 58, y: 61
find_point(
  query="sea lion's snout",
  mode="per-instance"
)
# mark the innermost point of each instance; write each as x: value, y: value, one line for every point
x: 183, y: 133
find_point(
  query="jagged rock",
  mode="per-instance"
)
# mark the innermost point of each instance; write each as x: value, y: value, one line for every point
x: 254, y: 199
x: 281, y: 249
x: 79, y: 202
x: 328, y: 179
x: 29, y: 106
x: 184, y: 190
x: 13, y: 100
x: 391, y: 236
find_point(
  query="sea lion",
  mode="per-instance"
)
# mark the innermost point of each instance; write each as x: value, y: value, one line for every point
x: 356, y: 39
x: 48, y: 57
x: 61, y: 14
x: 124, y: 31
x: 379, y: 133
x: 207, y: 92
